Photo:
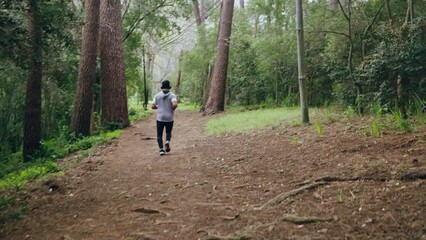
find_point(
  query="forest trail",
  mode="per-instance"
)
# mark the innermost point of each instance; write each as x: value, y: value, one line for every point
x: 214, y: 187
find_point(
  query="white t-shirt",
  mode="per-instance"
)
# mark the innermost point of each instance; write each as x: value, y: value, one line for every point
x: 165, y: 111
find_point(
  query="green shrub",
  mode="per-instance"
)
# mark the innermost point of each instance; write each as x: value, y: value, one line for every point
x: 375, y: 128
x: 18, y: 179
x: 401, y: 123
x: 318, y: 128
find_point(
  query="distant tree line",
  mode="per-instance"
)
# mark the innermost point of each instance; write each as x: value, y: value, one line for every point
x: 359, y: 54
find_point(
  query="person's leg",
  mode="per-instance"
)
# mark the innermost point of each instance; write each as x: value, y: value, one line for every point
x: 160, y: 128
x: 169, y: 127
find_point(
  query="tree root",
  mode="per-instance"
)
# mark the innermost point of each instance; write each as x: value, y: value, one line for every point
x: 304, y: 220
x: 227, y: 237
x: 413, y: 176
x: 405, y: 177
x: 281, y: 197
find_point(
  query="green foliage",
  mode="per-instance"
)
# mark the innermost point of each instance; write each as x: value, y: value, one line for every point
x: 376, y: 128
x: 14, y: 173
x: 66, y: 144
x: 241, y: 122
x: 17, y: 179
x: 318, y: 127
x: 137, y: 111
x: 340, y: 197
x: 189, y: 106
x: 60, y: 62
x: 10, y: 210
x: 400, y: 122
x: 294, y: 140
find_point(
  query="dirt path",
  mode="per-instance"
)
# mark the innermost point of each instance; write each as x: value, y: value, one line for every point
x: 210, y: 187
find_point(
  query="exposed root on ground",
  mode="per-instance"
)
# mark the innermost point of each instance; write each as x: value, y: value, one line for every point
x: 406, y: 177
x: 281, y: 197
x: 227, y: 237
x: 304, y: 220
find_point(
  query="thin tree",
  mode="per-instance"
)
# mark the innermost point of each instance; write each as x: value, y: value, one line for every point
x: 197, y: 13
x: 301, y: 62
x: 32, y: 117
x: 178, y: 79
x: 403, y: 78
x: 216, y: 99
x: 83, y: 101
x: 113, y: 85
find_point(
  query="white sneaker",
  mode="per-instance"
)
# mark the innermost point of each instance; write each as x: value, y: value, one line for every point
x: 162, y: 152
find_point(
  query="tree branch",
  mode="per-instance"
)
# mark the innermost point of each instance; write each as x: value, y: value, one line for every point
x: 135, y: 24
x: 127, y: 8
x: 374, y: 19
x: 334, y: 32
x: 343, y: 11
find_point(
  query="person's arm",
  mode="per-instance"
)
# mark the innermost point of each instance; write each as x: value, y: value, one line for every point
x: 174, y: 104
x: 154, y: 103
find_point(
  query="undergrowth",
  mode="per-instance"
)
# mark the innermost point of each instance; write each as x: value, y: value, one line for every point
x: 14, y: 173
x: 242, y: 121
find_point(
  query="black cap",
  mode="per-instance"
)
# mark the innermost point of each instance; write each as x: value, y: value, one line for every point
x: 165, y: 84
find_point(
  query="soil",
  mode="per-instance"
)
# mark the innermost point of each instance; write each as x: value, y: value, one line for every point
x: 259, y: 185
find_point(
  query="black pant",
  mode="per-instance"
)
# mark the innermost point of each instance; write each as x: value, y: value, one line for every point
x: 160, y: 128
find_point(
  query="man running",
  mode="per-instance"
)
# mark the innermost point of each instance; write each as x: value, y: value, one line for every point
x: 166, y: 103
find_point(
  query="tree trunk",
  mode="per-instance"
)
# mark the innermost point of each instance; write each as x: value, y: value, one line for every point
x: 350, y: 59
x: 216, y: 100
x: 32, y: 117
x: 113, y: 85
x: 332, y: 4
x: 177, y: 89
x: 301, y: 62
x: 203, y: 10
x: 207, y: 86
x: 242, y: 4
x: 83, y: 101
x: 256, y: 25
x: 403, y: 78
x: 389, y: 12
x: 196, y: 10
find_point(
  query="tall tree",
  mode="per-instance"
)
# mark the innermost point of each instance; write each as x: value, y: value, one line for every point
x: 114, y: 94
x: 32, y: 117
x: 301, y: 62
x: 197, y: 13
x: 179, y: 75
x: 403, y: 78
x: 83, y: 101
x: 216, y: 99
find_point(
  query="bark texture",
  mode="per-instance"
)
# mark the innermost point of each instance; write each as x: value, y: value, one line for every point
x: 178, y: 79
x: 242, y: 4
x: 197, y: 13
x: 216, y: 99
x: 301, y: 62
x: 113, y: 85
x: 32, y: 117
x: 83, y: 101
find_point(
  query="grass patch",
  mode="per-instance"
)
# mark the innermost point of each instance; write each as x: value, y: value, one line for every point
x: 59, y: 148
x: 319, y: 128
x: 10, y: 209
x: 14, y: 173
x: 245, y: 121
x: 184, y: 106
x: 137, y: 111
x: 17, y: 179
